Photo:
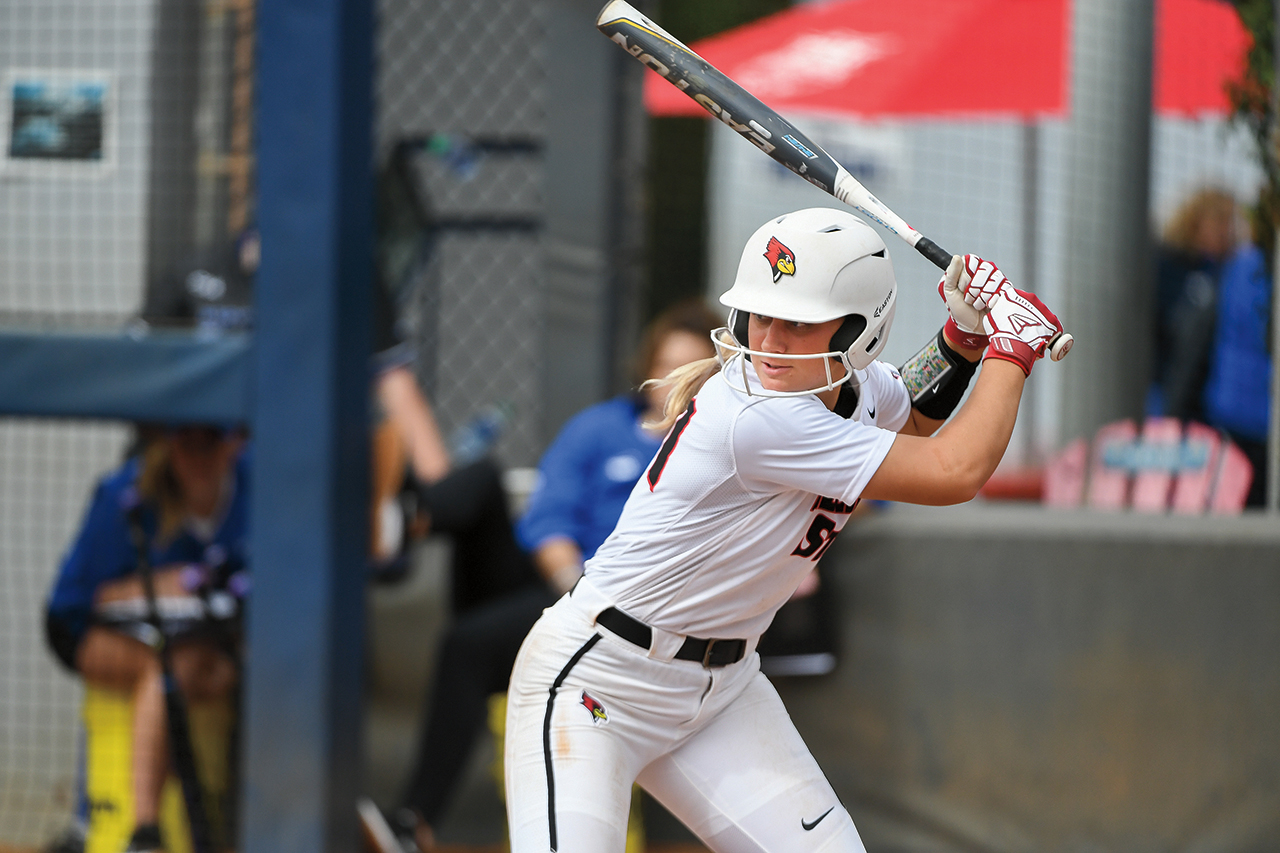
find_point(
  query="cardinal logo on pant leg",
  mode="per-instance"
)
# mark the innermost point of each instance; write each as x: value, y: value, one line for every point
x: 598, y: 713
x: 781, y: 259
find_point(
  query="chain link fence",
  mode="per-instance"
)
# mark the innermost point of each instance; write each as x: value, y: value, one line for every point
x: 96, y: 234
x: 461, y: 122
x: 73, y: 253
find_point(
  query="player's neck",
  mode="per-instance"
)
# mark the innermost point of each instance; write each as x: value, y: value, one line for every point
x: 829, y: 396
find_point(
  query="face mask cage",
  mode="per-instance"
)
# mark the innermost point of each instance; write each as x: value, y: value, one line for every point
x: 733, y: 364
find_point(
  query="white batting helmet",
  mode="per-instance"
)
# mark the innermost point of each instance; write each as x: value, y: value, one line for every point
x: 812, y: 266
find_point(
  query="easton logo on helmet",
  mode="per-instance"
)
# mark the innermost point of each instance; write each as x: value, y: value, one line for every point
x: 780, y: 258
x: 887, y: 297
x: 598, y: 714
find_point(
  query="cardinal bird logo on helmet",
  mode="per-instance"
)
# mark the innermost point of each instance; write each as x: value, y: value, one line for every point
x: 781, y: 259
x: 598, y: 714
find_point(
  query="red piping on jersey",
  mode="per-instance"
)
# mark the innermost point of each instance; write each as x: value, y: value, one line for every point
x: 669, y: 445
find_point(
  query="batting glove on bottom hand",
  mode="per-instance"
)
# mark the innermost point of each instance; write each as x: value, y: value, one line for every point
x: 1020, y: 327
x: 964, y: 323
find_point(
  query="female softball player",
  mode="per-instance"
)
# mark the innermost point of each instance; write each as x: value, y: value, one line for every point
x: 647, y: 670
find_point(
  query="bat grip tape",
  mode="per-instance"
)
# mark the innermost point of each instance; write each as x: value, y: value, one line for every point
x: 940, y: 257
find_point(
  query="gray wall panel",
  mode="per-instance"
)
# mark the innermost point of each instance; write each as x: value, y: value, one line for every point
x: 1016, y: 680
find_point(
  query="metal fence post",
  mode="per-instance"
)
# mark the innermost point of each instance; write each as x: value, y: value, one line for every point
x: 302, y: 758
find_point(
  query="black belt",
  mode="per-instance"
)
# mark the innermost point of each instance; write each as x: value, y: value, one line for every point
x: 709, y: 653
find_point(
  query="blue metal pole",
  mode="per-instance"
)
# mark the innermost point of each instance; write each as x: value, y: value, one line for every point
x: 301, y: 753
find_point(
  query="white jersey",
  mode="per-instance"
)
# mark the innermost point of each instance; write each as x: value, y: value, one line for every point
x: 744, y: 497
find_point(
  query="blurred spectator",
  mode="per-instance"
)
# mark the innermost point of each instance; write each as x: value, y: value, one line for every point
x: 461, y: 498
x: 1237, y: 396
x: 587, y: 473
x: 1196, y: 241
x: 584, y: 479
x: 186, y: 495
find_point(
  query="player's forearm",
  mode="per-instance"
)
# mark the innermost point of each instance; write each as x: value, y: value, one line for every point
x: 952, y: 466
x: 1017, y: 329
x: 932, y: 409
x: 972, y: 443
x: 919, y: 424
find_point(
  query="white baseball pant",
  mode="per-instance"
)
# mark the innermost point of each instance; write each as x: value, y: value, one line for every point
x: 589, y: 713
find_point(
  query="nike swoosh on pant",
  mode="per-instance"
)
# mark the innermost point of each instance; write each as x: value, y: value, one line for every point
x: 808, y: 826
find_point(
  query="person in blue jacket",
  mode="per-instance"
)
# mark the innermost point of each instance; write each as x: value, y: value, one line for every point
x: 1237, y: 395
x: 186, y: 495
x: 587, y: 473
x: 1195, y: 244
x: 584, y: 478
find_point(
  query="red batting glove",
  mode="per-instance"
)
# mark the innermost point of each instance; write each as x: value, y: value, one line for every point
x: 957, y: 335
x: 1020, y: 327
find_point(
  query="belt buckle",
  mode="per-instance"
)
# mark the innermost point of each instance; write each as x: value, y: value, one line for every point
x: 706, y: 654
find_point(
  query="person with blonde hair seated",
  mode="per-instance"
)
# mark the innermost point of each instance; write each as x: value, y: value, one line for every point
x: 185, y: 496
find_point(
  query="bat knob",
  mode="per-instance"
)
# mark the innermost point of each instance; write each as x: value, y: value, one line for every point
x: 1060, y: 346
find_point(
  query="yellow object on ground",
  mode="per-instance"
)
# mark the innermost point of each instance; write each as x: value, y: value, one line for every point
x: 108, y: 724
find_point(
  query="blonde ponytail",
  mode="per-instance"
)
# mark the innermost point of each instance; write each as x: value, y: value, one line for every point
x: 685, y: 381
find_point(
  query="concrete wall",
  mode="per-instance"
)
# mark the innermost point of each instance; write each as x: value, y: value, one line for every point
x: 1018, y: 680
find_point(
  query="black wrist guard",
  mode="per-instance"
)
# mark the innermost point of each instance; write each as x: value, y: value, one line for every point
x: 936, y: 377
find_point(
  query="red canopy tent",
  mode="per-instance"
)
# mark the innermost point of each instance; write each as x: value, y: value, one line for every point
x: 940, y: 58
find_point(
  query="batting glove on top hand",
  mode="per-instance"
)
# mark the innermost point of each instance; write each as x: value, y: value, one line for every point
x: 964, y: 325
x: 1020, y: 327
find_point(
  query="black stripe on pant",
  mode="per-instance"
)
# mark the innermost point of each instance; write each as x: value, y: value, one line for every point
x: 546, y: 735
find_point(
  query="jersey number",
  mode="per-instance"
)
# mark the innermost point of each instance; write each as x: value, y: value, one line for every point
x: 669, y: 444
x: 817, y: 539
